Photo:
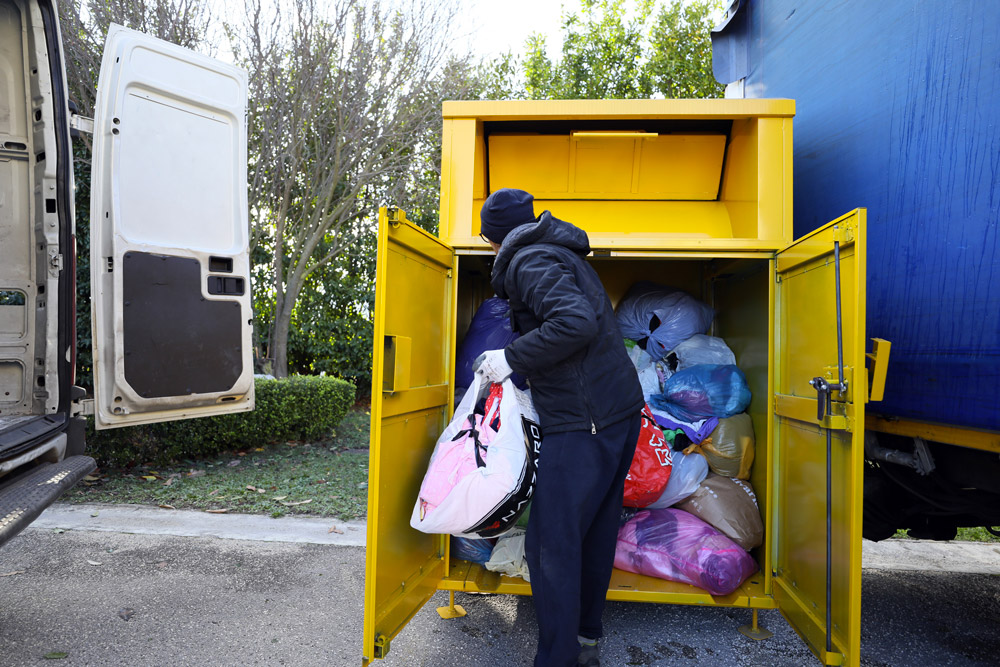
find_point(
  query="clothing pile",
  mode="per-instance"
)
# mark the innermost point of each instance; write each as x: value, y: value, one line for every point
x: 698, y: 529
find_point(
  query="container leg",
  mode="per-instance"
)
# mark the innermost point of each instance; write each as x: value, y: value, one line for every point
x: 754, y: 631
x: 456, y: 611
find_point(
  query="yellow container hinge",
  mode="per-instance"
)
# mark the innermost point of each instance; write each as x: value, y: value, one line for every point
x: 395, y: 215
x: 879, y: 357
x: 381, y: 647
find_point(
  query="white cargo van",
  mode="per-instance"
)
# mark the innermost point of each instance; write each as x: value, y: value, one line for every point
x: 172, y: 318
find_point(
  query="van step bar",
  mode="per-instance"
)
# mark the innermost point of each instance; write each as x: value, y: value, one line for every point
x: 24, y: 499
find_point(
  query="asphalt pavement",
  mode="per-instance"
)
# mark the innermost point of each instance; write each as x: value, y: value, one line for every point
x: 123, y: 590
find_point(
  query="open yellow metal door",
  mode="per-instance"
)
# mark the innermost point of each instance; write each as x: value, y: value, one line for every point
x: 411, y: 398
x: 818, y: 436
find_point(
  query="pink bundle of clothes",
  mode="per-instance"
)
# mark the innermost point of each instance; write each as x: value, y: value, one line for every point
x: 673, y: 544
x: 463, y: 454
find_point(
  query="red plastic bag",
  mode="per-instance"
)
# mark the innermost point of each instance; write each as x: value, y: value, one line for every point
x: 651, y: 465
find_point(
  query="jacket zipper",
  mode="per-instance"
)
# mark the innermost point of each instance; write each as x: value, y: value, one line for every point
x: 586, y: 399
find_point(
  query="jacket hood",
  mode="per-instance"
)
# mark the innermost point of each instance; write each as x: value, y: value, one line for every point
x: 548, y: 229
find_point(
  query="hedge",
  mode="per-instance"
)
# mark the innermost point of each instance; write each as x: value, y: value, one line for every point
x: 295, y: 408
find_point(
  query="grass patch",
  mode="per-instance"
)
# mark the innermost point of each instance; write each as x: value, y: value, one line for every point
x: 317, y: 478
x: 964, y: 535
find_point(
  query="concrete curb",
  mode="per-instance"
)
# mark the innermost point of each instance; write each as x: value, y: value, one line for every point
x: 930, y: 556
x: 897, y: 555
x: 146, y: 520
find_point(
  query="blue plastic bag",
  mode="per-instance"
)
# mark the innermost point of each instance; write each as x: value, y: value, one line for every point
x: 472, y: 550
x: 490, y: 330
x: 706, y: 390
x: 659, y: 318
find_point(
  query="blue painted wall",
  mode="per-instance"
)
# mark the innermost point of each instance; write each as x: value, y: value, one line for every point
x: 898, y: 110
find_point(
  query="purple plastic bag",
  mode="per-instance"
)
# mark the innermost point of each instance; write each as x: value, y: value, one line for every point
x: 490, y: 330
x: 675, y: 545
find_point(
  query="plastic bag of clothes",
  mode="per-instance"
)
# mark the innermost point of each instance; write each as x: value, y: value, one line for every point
x: 700, y: 349
x: 645, y: 368
x: 651, y: 465
x: 686, y: 472
x: 729, y: 506
x: 729, y: 449
x: 704, y: 391
x: 675, y: 545
x: 508, y: 556
x: 693, y: 431
x: 490, y: 330
x: 481, y: 475
x: 658, y: 317
x: 472, y: 550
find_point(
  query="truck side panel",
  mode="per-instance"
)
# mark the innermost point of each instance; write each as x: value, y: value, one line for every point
x: 896, y: 111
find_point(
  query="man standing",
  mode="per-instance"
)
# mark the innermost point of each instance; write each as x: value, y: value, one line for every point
x: 588, y: 400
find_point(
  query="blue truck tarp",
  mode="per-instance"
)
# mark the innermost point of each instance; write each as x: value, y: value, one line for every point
x: 897, y: 110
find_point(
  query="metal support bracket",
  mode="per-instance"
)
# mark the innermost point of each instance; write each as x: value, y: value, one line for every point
x: 879, y: 358
x: 452, y: 610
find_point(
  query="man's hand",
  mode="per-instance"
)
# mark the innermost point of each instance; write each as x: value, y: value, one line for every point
x: 492, y: 365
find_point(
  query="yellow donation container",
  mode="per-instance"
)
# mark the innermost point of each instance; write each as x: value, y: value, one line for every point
x: 695, y: 194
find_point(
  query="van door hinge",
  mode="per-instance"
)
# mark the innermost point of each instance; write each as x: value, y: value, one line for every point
x: 56, y: 261
x: 81, y: 408
x: 81, y: 123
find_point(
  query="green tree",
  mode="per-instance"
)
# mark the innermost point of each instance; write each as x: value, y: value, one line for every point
x: 680, y: 60
x: 616, y: 49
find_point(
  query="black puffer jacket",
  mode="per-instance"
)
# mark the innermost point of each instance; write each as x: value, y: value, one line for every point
x: 570, y: 347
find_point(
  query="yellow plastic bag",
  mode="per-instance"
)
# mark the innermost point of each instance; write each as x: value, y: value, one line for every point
x: 729, y: 448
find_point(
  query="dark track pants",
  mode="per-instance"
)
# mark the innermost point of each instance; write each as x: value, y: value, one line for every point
x: 572, y: 530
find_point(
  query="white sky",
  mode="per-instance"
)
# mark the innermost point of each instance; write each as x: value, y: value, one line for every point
x: 492, y: 27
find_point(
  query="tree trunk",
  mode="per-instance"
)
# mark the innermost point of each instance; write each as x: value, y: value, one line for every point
x: 283, y: 325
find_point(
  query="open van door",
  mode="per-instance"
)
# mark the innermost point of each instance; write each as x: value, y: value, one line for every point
x: 411, y: 404
x: 817, y: 578
x: 170, y: 274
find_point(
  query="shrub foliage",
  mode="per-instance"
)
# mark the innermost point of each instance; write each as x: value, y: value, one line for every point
x: 294, y: 408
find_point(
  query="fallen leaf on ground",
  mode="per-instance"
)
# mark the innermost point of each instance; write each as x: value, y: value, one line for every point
x: 241, y: 453
x: 301, y: 502
x: 59, y: 531
x: 279, y: 497
x: 168, y: 507
x: 56, y: 655
x: 195, y: 473
x: 334, y: 529
x: 125, y: 613
x: 11, y: 574
x: 95, y: 513
x: 362, y: 485
x: 218, y: 511
x: 91, y: 478
x: 258, y: 449
x: 149, y: 477
x: 169, y: 482
x: 94, y: 562
x: 251, y: 487
x: 233, y: 463
x: 212, y: 493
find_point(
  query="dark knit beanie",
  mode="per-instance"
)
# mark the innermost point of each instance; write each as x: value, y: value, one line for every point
x: 504, y: 210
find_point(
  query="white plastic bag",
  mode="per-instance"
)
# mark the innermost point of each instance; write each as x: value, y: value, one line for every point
x: 508, y: 556
x: 646, y: 370
x: 702, y: 349
x: 689, y: 471
x: 487, y: 501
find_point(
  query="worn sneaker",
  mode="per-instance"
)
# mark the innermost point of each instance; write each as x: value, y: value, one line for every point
x: 590, y: 654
